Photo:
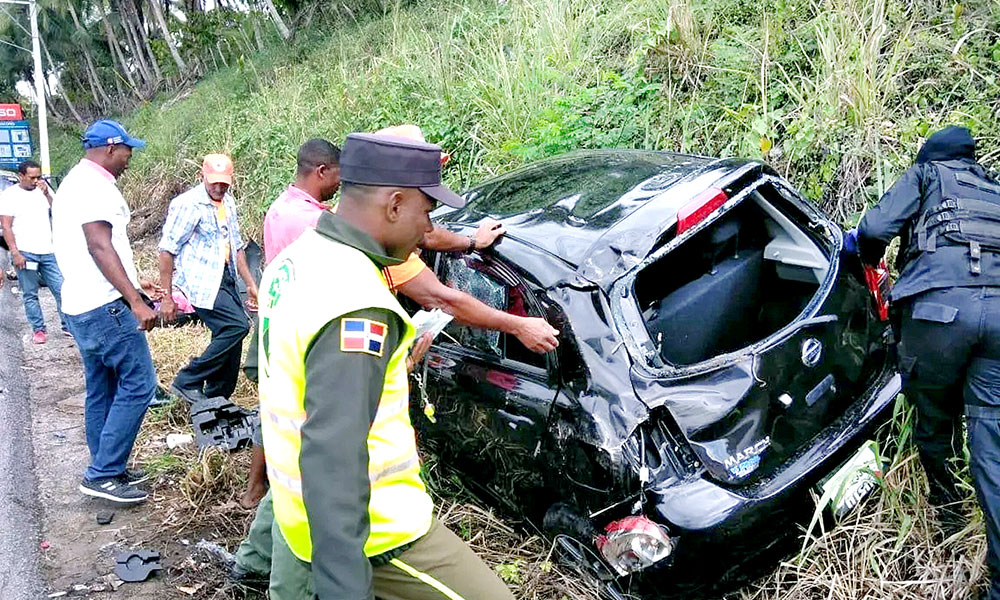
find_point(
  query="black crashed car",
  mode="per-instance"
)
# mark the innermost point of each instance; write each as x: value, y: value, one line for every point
x: 720, y: 356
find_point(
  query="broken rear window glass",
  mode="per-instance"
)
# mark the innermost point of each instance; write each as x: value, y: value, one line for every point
x: 462, y: 274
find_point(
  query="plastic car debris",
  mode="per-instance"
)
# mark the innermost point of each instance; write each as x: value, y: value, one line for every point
x: 105, y: 517
x: 179, y: 439
x: 137, y: 565
x: 219, y: 422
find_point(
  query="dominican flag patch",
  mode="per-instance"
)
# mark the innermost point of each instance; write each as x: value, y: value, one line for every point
x: 362, y: 335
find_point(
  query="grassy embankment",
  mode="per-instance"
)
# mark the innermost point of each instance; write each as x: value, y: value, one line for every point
x: 836, y: 94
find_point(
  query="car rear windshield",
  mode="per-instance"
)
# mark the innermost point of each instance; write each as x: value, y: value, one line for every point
x: 580, y: 185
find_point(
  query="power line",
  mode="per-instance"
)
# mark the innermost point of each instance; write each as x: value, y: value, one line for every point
x: 14, y: 20
x: 15, y: 46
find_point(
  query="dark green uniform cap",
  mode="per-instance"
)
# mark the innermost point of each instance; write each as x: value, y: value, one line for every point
x: 379, y: 160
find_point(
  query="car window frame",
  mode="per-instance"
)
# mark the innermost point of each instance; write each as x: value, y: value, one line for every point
x: 499, y: 270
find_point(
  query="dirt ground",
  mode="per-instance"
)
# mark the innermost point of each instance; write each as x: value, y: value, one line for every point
x: 78, y: 554
x: 194, y: 495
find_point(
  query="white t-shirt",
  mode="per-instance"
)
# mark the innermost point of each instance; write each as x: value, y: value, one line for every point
x: 88, y: 194
x: 30, y: 209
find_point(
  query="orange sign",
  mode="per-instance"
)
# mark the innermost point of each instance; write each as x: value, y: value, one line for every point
x: 10, y: 112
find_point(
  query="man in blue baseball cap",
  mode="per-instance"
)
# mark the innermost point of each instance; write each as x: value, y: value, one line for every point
x: 104, y: 310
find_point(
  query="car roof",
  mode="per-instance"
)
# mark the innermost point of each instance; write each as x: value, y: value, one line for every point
x: 569, y: 205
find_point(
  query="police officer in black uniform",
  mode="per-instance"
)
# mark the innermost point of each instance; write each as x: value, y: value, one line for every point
x: 946, y: 210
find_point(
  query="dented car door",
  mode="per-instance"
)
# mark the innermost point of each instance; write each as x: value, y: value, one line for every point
x: 487, y: 398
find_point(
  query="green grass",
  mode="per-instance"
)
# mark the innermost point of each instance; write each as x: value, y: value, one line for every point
x: 837, y: 94
x: 165, y: 463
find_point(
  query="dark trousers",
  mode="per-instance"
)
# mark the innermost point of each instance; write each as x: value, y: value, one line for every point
x: 950, y: 357
x: 216, y: 370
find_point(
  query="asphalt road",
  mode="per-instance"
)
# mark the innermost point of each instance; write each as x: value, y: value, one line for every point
x: 20, y: 574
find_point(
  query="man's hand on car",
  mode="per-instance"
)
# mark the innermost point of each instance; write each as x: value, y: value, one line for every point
x: 19, y: 261
x: 488, y: 233
x: 536, y: 334
x: 851, y: 241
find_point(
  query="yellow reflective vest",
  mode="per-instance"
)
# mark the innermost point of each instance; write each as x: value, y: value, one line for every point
x: 314, y: 281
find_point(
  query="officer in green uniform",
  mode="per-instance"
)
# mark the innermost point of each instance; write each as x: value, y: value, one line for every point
x: 352, y: 516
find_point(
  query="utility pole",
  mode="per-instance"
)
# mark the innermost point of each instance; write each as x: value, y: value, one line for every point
x: 43, y: 126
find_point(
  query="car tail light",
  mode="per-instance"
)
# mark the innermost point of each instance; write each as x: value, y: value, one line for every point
x: 703, y: 205
x: 633, y: 544
x: 878, y: 282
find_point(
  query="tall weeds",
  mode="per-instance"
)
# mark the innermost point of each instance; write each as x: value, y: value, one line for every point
x: 835, y: 93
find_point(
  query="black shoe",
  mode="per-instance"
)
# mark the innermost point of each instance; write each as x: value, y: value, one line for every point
x: 113, y: 489
x: 133, y: 476
x: 191, y: 395
x: 245, y: 577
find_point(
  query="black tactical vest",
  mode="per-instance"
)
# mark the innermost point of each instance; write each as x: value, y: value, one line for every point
x: 955, y: 240
x: 967, y: 214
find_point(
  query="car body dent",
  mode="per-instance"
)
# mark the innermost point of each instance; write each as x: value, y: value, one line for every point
x: 604, y: 395
x: 701, y: 504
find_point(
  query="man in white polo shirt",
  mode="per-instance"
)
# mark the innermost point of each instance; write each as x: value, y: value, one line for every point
x: 104, y: 310
x: 24, y: 217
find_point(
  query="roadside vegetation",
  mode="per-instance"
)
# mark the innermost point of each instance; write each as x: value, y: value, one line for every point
x: 835, y: 94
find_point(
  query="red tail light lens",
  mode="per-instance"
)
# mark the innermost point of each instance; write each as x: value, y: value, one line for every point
x: 877, y: 279
x: 703, y: 205
x: 633, y: 544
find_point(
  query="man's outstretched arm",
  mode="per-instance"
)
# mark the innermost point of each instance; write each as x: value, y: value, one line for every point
x: 428, y: 291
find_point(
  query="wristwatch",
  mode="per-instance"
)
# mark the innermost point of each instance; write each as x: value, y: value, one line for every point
x: 472, y: 244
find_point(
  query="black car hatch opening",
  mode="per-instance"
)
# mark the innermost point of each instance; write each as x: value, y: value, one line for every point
x: 760, y: 337
x: 731, y: 284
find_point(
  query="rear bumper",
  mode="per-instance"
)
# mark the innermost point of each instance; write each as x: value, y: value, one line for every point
x: 729, y: 522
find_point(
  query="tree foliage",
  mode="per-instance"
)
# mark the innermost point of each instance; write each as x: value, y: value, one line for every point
x: 105, y: 57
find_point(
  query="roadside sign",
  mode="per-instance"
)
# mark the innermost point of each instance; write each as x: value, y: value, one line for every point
x: 10, y: 112
x: 15, y: 143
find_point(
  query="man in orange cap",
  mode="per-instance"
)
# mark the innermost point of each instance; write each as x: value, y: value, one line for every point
x: 201, y: 251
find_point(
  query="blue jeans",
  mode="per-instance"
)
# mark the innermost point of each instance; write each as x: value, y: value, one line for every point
x: 47, y: 271
x: 120, y: 383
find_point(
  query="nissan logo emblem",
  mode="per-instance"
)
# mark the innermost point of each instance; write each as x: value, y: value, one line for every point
x: 812, y: 352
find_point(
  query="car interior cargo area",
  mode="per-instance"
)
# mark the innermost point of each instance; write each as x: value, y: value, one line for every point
x: 732, y: 284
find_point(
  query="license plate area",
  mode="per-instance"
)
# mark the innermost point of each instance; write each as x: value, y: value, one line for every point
x: 843, y: 490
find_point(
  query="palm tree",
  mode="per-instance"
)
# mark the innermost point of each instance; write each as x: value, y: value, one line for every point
x: 84, y: 41
x: 278, y: 23
x: 167, y: 37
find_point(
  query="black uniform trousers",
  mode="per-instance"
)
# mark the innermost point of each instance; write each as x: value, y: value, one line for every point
x: 950, y: 358
x: 216, y: 370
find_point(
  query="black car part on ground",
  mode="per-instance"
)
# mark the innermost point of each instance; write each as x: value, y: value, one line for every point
x: 219, y: 422
x: 716, y: 436
x: 137, y: 565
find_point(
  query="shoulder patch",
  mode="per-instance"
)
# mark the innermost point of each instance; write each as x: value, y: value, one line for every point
x: 362, y: 335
